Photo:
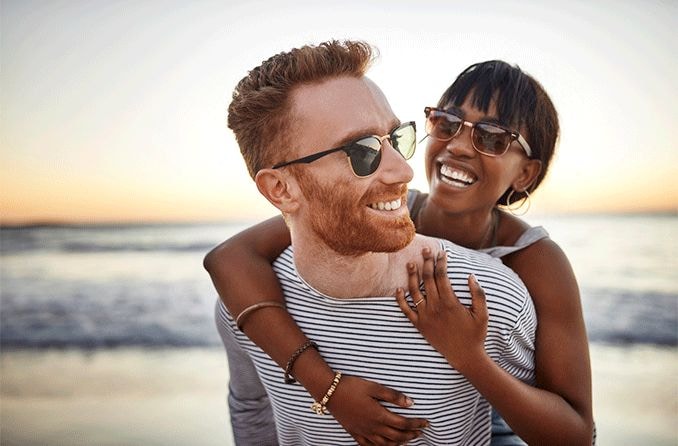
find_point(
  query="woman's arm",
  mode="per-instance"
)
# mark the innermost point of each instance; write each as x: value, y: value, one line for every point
x: 561, y: 401
x: 562, y: 362
x: 241, y: 271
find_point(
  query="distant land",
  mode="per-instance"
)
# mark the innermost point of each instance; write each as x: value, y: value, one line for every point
x: 130, y: 223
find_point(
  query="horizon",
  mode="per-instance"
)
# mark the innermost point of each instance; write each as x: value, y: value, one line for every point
x: 28, y: 224
x: 130, y: 126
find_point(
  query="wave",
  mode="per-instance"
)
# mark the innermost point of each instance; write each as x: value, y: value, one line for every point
x: 185, y: 319
x: 112, y: 239
x: 85, y: 247
x: 74, y: 247
x: 631, y: 317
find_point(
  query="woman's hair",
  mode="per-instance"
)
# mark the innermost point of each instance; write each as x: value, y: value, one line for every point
x: 259, y: 113
x: 521, y: 102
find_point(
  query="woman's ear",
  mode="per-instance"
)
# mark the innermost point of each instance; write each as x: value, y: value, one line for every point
x: 279, y: 188
x: 529, y: 171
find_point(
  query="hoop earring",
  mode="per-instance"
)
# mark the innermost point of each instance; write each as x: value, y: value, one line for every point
x: 513, y: 210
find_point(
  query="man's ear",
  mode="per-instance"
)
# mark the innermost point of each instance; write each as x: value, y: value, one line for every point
x: 529, y: 171
x: 279, y: 188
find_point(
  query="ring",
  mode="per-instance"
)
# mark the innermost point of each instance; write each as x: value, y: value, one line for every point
x: 418, y: 302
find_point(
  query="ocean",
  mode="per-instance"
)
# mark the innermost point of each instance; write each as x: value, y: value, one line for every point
x: 107, y: 335
x: 91, y: 287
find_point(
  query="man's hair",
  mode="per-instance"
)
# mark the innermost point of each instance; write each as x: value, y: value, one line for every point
x: 259, y: 113
x: 520, y: 100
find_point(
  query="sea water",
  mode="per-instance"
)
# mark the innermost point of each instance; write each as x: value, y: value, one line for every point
x: 144, y: 285
x: 108, y: 338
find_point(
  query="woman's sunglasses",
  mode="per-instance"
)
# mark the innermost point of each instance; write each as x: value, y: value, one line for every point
x: 364, y: 153
x: 488, y: 139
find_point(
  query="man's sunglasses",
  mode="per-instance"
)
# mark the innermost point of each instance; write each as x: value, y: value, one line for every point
x: 488, y: 139
x: 364, y: 153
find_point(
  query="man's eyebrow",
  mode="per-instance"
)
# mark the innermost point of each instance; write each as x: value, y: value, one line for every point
x: 368, y: 131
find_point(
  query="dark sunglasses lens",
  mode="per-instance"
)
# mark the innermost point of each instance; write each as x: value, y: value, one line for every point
x: 365, y: 156
x: 443, y: 126
x: 404, y: 140
x: 491, y: 139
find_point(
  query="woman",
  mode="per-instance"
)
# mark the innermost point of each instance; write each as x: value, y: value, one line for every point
x: 491, y: 139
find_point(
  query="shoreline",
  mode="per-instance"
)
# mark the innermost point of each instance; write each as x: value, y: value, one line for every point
x: 177, y: 396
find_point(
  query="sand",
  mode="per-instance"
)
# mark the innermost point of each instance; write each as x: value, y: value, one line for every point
x: 178, y: 397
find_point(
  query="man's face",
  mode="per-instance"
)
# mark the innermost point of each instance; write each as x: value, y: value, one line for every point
x: 341, y: 209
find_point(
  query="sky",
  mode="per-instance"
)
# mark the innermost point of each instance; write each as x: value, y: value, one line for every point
x: 116, y: 110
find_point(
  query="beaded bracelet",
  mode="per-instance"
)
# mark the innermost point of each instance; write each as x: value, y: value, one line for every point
x: 289, y: 379
x: 319, y: 407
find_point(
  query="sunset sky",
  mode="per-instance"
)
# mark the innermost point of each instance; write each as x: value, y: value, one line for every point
x: 116, y: 110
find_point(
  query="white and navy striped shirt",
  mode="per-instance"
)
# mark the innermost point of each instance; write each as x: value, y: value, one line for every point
x: 370, y: 337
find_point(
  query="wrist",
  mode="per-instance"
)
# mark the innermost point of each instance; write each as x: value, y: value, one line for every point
x: 472, y: 363
x: 289, y: 378
x: 313, y: 373
x: 320, y: 406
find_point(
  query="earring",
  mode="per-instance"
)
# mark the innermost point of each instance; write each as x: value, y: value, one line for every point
x: 513, y: 210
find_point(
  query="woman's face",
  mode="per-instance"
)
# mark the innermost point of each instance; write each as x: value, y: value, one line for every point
x: 461, y: 179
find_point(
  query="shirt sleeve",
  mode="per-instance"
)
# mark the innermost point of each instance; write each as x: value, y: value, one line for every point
x: 250, y: 410
x: 517, y: 357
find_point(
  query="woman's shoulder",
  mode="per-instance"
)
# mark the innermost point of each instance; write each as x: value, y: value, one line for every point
x: 529, y: 247
x: 513, y: 235
x: 415, y: 201
x: 511, y: 228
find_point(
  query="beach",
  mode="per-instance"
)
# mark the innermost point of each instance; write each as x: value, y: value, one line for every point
x: 169, y: 397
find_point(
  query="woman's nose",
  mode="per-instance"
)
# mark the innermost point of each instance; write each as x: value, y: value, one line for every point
x: 462, y: 144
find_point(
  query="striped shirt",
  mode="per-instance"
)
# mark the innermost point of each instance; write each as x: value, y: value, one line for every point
x: 371, y: 338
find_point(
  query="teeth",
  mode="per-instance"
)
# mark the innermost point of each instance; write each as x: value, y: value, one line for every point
x: 387, y: 205
x: 450, y: 173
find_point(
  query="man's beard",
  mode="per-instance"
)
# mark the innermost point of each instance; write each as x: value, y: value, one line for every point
x: 343, y: 221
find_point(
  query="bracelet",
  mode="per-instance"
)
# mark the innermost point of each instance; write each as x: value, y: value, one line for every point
x: 319, y: 407
x: 252, y: 308
x: 289, y: 379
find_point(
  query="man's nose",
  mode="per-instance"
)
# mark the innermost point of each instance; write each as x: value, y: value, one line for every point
x: 394, y: 167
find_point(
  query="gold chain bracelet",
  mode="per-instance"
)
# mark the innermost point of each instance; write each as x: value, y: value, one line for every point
x: 319, y: 407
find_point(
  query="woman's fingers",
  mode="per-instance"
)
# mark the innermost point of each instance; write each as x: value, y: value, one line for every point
x: 413, y: 281
x: 428, y: 277
x: 443, y: 285
x: 478, y: 301
x: 405, y: 307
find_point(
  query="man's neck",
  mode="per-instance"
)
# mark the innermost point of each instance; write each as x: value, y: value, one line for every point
x: 365, y: 275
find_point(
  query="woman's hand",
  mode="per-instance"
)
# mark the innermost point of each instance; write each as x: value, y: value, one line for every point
x: 457, y: 332
x: 356, y: 406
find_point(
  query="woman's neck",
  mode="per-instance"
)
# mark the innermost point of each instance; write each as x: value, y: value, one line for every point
x: 475, y: 230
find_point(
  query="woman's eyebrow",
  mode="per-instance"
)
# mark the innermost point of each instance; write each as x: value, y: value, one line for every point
x: 487, y: 119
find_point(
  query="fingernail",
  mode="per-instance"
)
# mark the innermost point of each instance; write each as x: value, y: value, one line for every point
x: 409, y: 402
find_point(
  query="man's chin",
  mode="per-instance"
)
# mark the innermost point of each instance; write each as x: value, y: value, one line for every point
x: 387, y: 239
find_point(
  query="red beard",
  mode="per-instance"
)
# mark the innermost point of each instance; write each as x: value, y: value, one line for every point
x: 346, y: 224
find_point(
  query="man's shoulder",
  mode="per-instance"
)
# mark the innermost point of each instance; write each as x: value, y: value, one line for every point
x: 461, y: 260
x: 453, y: 250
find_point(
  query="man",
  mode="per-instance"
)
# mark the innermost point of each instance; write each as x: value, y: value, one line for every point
x: 298, y: 118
